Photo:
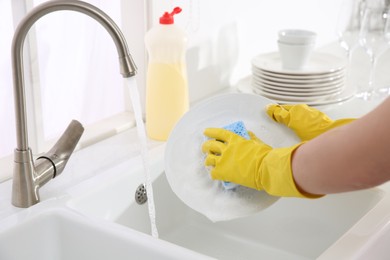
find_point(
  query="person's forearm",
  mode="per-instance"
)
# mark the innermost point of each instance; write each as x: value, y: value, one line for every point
x: 351, y: 157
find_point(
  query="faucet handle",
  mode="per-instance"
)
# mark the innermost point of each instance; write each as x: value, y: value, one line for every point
x: 60, y: 153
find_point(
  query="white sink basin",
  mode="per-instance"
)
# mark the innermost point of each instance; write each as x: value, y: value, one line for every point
x: 290, y: 229
x: 60, y: 234
x: 377, y: 248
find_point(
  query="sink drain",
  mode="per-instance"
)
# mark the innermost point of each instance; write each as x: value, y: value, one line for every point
x: 140, y: 194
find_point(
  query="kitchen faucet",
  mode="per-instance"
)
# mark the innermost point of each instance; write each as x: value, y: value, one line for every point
x: 29, y: 177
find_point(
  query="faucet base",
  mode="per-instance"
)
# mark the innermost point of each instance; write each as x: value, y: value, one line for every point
x: 24, y: 190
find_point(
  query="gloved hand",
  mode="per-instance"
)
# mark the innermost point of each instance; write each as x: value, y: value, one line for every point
x: 305, y: 121
x: 250, y: 163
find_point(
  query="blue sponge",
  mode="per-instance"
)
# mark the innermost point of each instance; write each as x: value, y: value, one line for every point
x: 237, y: 128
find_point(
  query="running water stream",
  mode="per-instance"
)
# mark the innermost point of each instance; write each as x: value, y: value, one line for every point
x: 135, y: 100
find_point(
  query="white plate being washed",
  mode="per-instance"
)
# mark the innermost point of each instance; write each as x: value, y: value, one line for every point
x: 190, y: 179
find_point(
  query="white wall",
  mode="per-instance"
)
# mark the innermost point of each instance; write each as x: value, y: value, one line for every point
x: 224, y: 35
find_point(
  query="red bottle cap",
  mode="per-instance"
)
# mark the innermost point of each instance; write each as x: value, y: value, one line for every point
x: 167, y: 18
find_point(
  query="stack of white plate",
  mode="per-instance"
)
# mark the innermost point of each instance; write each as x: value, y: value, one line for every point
x: 322, y: 81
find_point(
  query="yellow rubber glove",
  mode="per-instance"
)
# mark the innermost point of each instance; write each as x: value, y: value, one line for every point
x: 250, y: 163
x: 305, y: 121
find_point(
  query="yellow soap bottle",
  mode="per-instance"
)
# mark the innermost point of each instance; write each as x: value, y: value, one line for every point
x: 166, y: 82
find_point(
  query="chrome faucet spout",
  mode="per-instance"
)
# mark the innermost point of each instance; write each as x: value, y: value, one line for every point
x: 28, y: 177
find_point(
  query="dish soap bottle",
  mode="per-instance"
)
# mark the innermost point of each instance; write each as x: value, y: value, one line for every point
x: 166, y: 82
